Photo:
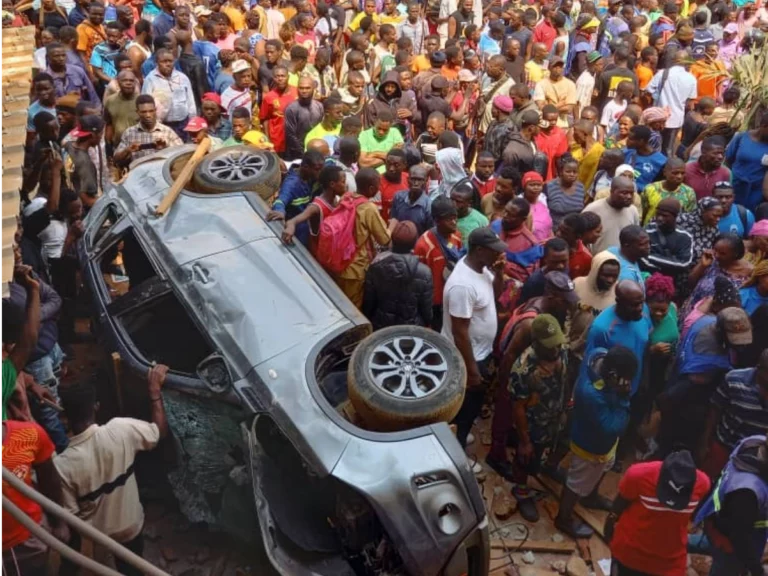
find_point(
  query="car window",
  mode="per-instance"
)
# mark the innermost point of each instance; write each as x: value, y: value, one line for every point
x: 147, y: 308
x: 105, y: 223
x: 124, y: 264
x: 162, y: 330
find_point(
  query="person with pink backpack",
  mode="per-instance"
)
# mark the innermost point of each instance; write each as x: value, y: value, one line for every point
x: 346, y: 239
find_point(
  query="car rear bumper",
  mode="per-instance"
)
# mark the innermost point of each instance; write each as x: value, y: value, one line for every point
x: 468, y: 557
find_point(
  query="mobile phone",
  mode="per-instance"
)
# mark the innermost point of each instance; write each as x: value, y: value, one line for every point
x: 150, y: 146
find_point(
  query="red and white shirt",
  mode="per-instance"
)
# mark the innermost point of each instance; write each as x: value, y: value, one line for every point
x: 650, y: 536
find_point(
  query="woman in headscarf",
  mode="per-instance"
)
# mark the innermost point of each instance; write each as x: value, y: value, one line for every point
x: 757, y: 247
x: 754, y: 292
x: 596, y: 292
x: 701, y: 224
x: 724, y: 260
x: 450, y: 164
x: 655, y: 118
x: 539, y: 221
x: 659, y: 293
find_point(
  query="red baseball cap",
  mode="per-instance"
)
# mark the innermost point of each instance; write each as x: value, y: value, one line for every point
x: 213, y: 97
x: 196, y: 124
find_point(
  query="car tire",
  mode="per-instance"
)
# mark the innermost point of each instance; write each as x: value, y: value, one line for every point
x: 238, y: 169
x: 393, y: 389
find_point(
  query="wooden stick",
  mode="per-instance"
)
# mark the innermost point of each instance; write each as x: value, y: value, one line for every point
x: 116, y: 370
x: 184, y: 177
x: 564, y: 547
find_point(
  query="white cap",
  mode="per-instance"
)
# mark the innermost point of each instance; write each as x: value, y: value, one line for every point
x: 37, y: 203
x: 240, y: 66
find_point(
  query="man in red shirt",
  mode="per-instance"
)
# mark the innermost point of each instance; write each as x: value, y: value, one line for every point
x: 394, y: 179
x: 545, y: 32
x: 551, y: 140
x: 273, y: 105
x: 439, y: 248
x: 648, y: 527
x: 571, y: 230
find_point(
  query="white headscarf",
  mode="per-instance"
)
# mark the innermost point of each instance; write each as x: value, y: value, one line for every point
x: 451, y: 164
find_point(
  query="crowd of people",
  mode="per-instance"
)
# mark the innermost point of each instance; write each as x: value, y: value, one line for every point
x: 573, y: 193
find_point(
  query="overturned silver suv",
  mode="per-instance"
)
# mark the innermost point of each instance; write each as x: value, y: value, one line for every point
x: 277, y: 383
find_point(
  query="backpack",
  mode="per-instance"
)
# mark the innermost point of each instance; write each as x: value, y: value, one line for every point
x: 336, y: 246
x: 743, y: 218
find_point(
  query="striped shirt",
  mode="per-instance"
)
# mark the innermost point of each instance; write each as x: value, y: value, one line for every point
x: 744, y: 408
x: 561, y: 204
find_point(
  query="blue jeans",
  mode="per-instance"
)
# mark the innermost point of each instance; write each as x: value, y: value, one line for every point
x: 45, y: 370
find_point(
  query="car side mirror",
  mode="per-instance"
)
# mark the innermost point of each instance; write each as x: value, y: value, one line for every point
x: 214, y: 373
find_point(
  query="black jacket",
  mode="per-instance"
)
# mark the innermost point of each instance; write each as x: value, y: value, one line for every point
x: 398, y: 290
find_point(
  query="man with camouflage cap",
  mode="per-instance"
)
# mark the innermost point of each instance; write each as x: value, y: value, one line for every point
x: 537, y: 388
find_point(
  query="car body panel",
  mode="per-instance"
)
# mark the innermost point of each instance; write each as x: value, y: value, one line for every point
x: 270, y: 310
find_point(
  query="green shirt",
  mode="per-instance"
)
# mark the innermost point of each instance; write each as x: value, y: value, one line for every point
x: 369, y: 143
x: 475, y: 219
x: 666, y: 330
x: 9, y: 383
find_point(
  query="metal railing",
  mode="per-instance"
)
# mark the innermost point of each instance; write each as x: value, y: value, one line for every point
x: 84, y: 528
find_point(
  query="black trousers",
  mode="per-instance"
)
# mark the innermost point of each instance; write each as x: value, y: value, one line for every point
x: 618, y: 569
x: 473, y: 402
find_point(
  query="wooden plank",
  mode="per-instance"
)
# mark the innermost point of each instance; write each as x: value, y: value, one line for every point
x: 564, y: 547
x: 18, y: 88
x: 598, y: 550
x: 183, y: 178
x: 117, y: 364
x: 595, y: 522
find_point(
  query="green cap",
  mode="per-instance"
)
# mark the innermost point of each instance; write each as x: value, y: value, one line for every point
x: 545, y: 330
x: 594, y: 56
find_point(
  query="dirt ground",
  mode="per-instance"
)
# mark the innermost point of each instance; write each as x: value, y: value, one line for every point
x: 512, y: 538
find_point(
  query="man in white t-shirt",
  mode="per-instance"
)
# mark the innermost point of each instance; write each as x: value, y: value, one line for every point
x: 673, y: 89
x: 469, y: 317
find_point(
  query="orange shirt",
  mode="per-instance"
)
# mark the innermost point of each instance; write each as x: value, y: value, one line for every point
x: 429, y: 252
x: 420, y: 63
x: 25, y: 444
x: 644, y: 75
x: 450, y: 73
x: 88, y: 36
x: 707, y: 84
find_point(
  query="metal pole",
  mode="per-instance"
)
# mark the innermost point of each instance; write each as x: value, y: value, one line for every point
x: 83, y: 527
x: 53, y: 542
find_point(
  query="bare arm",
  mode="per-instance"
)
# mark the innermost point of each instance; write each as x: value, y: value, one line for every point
x: 156, y: 379
x: 49, y: 481
x: 521, y: 339
x: 460, y: 331
x: 311, y: 213
x: 26, y: 344
x: 371, y: 159
x: 698, y: 271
